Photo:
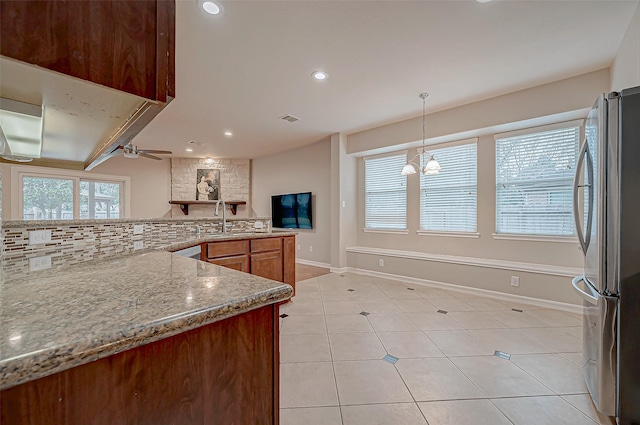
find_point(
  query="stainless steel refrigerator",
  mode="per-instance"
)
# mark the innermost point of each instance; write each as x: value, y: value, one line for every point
x: 607, y: 191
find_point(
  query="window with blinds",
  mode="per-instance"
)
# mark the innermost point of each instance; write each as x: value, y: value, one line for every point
x: 385, y: 192
x: 448, y: 201
x: 534, y: 177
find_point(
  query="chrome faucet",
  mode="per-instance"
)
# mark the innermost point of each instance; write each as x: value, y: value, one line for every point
x: 224, y: 214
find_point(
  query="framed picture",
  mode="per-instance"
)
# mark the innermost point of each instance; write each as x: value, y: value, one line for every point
x: 208, y: 185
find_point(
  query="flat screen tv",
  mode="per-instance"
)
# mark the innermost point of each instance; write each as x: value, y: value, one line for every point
x: 292, y: 211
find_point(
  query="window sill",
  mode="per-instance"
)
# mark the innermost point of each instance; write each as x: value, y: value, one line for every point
x: 535, y: 238
x: 472, y: 235
x: 390, y: 231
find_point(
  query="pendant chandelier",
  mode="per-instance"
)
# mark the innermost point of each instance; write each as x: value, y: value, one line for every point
x: 430, y: 166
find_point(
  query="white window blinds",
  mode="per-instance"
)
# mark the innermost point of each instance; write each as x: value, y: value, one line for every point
x: 385, y: 192
x: 448, y: 201
x: 534, y: 176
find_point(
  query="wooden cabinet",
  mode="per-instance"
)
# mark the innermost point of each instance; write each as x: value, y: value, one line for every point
x: 236, y: 262
x: 125, y: 45
x: 272, y: 258
x: 223, y: 373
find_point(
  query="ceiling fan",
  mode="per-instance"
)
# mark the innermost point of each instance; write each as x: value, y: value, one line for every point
x: 132, y: 151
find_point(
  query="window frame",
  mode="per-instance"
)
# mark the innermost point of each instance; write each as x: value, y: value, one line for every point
x: 18, y: 172
x: 543, y: 237
x: 451, y: 233
x: 390, y: 230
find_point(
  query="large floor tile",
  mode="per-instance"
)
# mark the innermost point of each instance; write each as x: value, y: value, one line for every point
x: 497, y: 377
x: 356, y: 346
x: 401, y: 294
x: 584, y: 403
x: 409, y: 345
x: 381, y: 306
x: 370, y: 294
x: 345, y: 323
x: 475, y: 320
x: 342, y: 307
x: 432, y: 293
x: 516, y: 319
x: 342, y: 295
x: 509, y: 341
x: 370, y: 382
x: 433, y: 321
x: 306, y: 325
x: 391, y: 322
x: 416, y: 306
x: 485, y: 304
x: 459, y: 343
x: 555, y: 372
x: 383, y: 414
x: 333, y: 286
x: 311, y: 416
x: 436, y: 379
x: 555, y: 339
x: 451, y: 304
x: 462, y: 412
x: 554, y: 317
x: 575, y: 358
x: 307, y: 385
x: 575, y: 331
x: 304, y: 348
x: 304, y: 308
x: 541, y: 411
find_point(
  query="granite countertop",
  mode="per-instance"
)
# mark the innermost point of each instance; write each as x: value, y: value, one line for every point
x: 54, y: 320
x: 181, y: 243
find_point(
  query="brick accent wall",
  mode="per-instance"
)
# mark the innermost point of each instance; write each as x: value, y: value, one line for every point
x: 235, y: 181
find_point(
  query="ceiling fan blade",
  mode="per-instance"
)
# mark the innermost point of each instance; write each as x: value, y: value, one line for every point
x: 146, y: 155
x: 115, y: 152
x: 155, y: 151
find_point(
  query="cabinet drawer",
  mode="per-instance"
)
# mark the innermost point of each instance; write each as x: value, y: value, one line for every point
x: 225, y: 249
x: 266, y: 244
x: 238, y: 262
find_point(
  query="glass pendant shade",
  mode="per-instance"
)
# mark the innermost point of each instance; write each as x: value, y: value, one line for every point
x: 432, y: 167
x: 408, y: 169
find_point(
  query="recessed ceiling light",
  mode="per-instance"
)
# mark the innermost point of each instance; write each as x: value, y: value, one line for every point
x: 483, y: 1
x: 228, y: 133
x: 189, y: 150
x: 210, y: 7
x: 320, y: 75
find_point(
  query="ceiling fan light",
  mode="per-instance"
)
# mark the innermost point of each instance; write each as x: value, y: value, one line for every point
x: 408, y: 169
x: 130, y: 155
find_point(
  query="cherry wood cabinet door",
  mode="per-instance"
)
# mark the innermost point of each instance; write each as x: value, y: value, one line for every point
x: 238, y: 262
x: 125, y: 45
x: 267, y: 265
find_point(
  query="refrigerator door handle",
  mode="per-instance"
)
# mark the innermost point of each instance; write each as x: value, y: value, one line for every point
x: 583, y: 237
x: 591, y: 296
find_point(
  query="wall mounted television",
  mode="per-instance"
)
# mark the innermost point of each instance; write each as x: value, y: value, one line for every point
x: 292, y: 211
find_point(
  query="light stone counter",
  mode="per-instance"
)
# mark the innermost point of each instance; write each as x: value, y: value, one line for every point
x: 57, y: 319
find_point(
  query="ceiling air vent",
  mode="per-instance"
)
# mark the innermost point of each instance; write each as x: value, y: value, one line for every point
x: 289, y: 118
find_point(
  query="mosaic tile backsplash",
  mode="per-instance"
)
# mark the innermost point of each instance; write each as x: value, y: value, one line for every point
x: 77, y: 241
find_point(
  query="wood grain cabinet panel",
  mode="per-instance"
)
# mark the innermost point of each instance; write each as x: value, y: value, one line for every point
x: 267, y: 265
x: 227, y: 248
x: 267, y: 244
x: 219, y: 374
x: 125, y: 45
x: 237, y: 262
x: 289, y: 261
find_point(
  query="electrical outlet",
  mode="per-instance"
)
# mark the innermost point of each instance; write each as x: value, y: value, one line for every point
x: 310, y: 248
x: 258, y: 225
x: 381, y: 262
x: 515, y: 281
x: 298, y: 247
x: 344, y: 204
x: 138, y: 229
x: 138, y: 245
x: 39, y: 236
x: 40, y: 263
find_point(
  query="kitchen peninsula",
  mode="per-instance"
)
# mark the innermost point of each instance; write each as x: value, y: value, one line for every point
x: 145, y: 338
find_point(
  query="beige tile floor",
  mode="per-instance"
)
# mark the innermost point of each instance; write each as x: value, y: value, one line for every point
x: 333, y: 372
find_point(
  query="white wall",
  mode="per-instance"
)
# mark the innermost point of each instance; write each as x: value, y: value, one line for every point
x: 150, y: 184
x: 625, y: 70
x: 305, y: 169
x: 508, y: 257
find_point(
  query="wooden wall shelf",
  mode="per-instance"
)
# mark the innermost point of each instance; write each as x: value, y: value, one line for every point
x: 184, y: 205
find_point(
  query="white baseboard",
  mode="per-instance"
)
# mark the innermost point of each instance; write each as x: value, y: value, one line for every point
x: 538, y: 302
x: 313, y: 263
x: 339, y: 270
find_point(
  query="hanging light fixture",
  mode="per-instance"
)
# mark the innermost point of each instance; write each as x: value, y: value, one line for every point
x: 430, y: 166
